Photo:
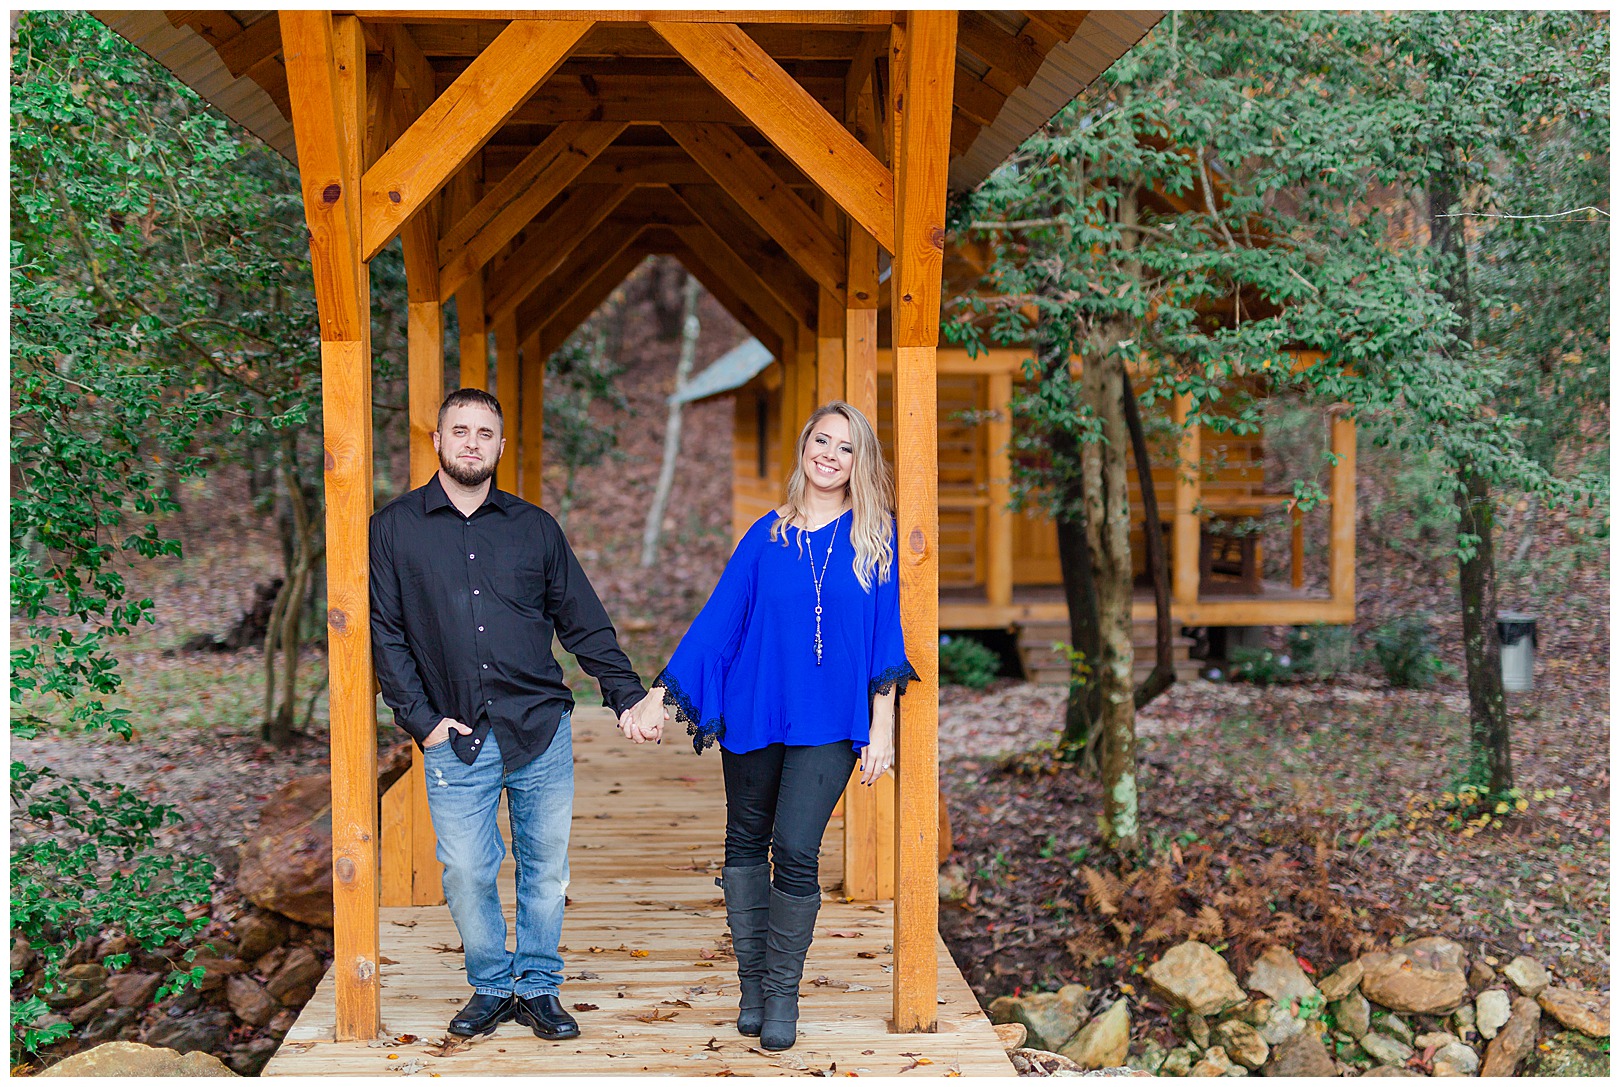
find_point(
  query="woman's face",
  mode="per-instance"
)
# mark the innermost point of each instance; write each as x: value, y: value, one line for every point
x: 829, y: 455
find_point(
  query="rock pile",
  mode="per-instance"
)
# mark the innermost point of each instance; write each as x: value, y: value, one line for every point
x: 1419, y: 1009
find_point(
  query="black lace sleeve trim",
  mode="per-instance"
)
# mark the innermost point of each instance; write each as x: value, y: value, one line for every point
x: 704, y: 733
x: 889, y: 678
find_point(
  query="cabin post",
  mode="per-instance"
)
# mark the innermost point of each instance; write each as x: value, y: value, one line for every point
x: 1342, y: 513
x: 326, y: 66
x: 532, y: 421
x: 1185, y: 526
x: 861, y: 324
x: 506, y: 391
x: 998, y: 582
x: 472, y: 326
x: 831, y: 317
x: 923, y: 73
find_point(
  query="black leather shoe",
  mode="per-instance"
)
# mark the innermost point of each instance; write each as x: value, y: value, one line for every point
x: 546, y: 1017
x: 482, y: 1015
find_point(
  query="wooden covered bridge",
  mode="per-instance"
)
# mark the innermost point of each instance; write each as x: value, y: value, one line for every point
x: 797, y: 163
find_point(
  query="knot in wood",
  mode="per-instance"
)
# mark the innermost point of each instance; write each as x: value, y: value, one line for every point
x: 338, y: 620
x: 393, y: 195
x: 330, y: 194
x: 331, y: 461
x: 364, y: 969
x: 344, y: 869
x: 862, y: 295
x: 918, y: 541
x: 905, y: 297
x: 936, y: 237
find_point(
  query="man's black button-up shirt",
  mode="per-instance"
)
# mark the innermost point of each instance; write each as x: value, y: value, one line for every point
x: 462, y: 615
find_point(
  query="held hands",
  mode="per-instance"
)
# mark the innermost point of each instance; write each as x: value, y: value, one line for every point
x: 645, y: 721
x: 442, y: 733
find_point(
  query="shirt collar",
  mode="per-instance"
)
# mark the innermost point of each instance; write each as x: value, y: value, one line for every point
x: 434, y: 497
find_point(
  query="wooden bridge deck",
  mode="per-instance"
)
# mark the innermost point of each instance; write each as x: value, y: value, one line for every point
x: 649, y: 975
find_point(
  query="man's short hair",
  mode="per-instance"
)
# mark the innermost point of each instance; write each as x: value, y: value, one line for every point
x: 467, y: 398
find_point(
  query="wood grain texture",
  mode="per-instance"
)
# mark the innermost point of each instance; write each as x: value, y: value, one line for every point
x: 427, y: 876
x: 781, y: 275
x: 473, y: 331
x: 786, y: 114
x: 509, y: 205
x: 1342, y: 514
x: 578, y: 309
x: 459, y: 121
x: 506, y: 391
x: 730, y: 297
x: 923, y: 96
x: 999, y: 535
x: 830, y: 322
x: 394, y: 837
x: 848, y: 20
x: 425, y: 381
x: 767, y: 199
x: 558, y: 289
x: 743, y: 280
x: 532, y: 446
x: 861, y: 324
x: 1185, y: 520
x: 567, y: 226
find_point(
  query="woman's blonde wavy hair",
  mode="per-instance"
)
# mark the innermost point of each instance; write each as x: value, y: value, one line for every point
x: 870, y: 490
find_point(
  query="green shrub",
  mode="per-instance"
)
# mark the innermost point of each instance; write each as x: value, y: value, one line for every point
x: 1322, y: 650
x: 967, y: 661
x: 1260, y: 666
x: 1405, y: 649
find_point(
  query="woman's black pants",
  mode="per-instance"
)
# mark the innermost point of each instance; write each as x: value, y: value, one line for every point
x: 778, y: 799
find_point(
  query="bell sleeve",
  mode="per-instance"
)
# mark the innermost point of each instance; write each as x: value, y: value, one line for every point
x: 888, y: 668
x: 694, y: 679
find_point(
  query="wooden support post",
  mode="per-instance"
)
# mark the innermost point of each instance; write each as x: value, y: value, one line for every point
x: 830, y: 321
x: 326, y: 65
x: 470, y: 298
x: 1296, y: 549
x: 425, y: 379
x: 532, y: 421
x: 1185, y: 525
x: 805, y: 394
x: 861, y: 324
x: 1342, y: 514
x: 506, y: 391
x: 923, y: 78
x: 998, y: 582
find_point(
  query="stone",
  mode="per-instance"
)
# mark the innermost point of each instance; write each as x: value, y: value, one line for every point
x: 1279, y: 1026
x: 1527, y: 975
x: 1384, y: 1049
x: 1386, y: 1070
x: 1178, y: 1062
x: 1577, y: 1009
x: 1277, y: 974
x: 320, y: 941
x: 1455, y: 1059
x: 1513, y: 1042
x: 1104, y: 1042
x: 22, y: 955
x: 249, y: 1058
x: 1198, y: 1030
x: 1041, y: 1062
x: 1049, y: 1018
x: 1256, y: 1012
x: 1570, y: 1053
x: 287, y: 859
x: 1396, y: 982
x: 134, y: 1059
x: 1338, y: 985
x: 1353, y: 1014
x: 295, y: 982
x: 1242, y: 1043
x: 258, y: 932
x: 1435, y: 1039
x: 77, y: 985
x: 1463, y: 1019
x: 91, y: 1009
x: 1480, y: 976
x: 282, y: 1022
x: 1491, y: 1011
x: 135, y: 988
x: 1150, y: 1059
x: 215, y: 971
x: 1012, y: 1035
x: 205, y: 1030
x: 1192, y: 976
x: 1302, y: 1055
x: 1396, y: 1027
x: 110, y: 1027
x: 249, y: 1001
x: 1438, y: 953
x: 1214, y: 1063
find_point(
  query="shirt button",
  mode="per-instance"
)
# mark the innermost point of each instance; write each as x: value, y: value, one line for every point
x: 470, y: 555
x: 475, y: 592
x: 480, y: 628
x: 486, y: 666
x: 489, y: 701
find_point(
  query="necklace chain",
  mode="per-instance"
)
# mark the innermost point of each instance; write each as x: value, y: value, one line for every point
x: 817, y: 579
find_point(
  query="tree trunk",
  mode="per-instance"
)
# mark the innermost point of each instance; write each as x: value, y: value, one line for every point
x: 285, y: 632
x: 672, y: 427
x: 1164, y: 665
x: 1491, y: 763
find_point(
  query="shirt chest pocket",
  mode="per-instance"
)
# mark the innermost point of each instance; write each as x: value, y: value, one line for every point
x: 518, y: 574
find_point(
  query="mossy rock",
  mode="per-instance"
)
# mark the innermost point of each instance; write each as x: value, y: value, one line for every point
x: 1570, y: 1053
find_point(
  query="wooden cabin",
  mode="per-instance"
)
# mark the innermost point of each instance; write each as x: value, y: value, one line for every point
x: 528, y: 161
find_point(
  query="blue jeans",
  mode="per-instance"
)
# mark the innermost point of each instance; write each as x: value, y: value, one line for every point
x: 464, y: 801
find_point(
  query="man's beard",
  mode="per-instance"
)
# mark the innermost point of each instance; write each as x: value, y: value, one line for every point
x: 468, y: 477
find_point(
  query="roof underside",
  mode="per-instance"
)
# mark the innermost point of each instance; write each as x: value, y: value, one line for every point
x: 1015, y: 69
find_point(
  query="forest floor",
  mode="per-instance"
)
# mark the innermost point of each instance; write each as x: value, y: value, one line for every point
x: 1310, y: 813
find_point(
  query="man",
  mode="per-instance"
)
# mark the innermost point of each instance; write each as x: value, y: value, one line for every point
x: 467, y: 585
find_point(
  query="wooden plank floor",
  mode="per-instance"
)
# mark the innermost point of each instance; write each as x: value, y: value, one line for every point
x: 645, y: 932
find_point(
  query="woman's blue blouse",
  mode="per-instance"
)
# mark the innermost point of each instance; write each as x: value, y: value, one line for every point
x: 746, y: 675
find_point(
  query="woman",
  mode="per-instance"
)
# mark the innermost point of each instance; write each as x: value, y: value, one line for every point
x: 793, y: 666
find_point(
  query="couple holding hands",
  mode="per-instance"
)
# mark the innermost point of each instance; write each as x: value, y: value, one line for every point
x: 793, y: 667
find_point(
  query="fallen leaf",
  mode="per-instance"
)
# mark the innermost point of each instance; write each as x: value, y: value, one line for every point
x: 448, y: 950
x: 449, y: 1045
x: 655, y: 1016
x: 639, y: 954
x: 384, y: 960
x: 410, y: 1067
x: 585, y: 975
x: 676, y: 1003
x: 848, y: 935
x: 586, y: 1008
x: 858, y: 989
x: 866, y: 954
x: 706, y: 964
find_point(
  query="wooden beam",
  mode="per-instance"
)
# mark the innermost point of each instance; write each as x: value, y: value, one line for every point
x: 783, y: 277
x: 254, y: 45
x: 831, y: 318
x: 459, y: 121
x: 1185, y: 527
x: 861, y: 324
x: 783, y: 41
x: 645, y: 100
x: 786, y: 114
x: 767, y: 200
x: 549, y: 243
x: 923, y: 93
x: 531, y: 447
x: 470, y: 318
x: 638, y: 164
x: 767, y: 330
x: 848, y: 20
x: 326, y: 78
x: 559, y: 288
x: 1342, y: 513
x: 578, y: 309
x: 506, y: 391
x: 712, y: 251
x: 998, y: 582
x: 1019, y: 55
x: 509, y: 206
x: 425, y: 381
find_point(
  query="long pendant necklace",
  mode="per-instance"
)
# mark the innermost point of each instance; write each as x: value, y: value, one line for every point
x: 817, y: 579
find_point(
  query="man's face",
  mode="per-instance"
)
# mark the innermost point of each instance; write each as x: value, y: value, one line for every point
x: 469, y: 443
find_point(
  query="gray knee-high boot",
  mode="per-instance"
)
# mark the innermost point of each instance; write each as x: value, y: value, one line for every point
x: 748, y: 912
x: 793, y: 922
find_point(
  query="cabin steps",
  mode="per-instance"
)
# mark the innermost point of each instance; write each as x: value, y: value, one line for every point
x: 1042, y: 664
